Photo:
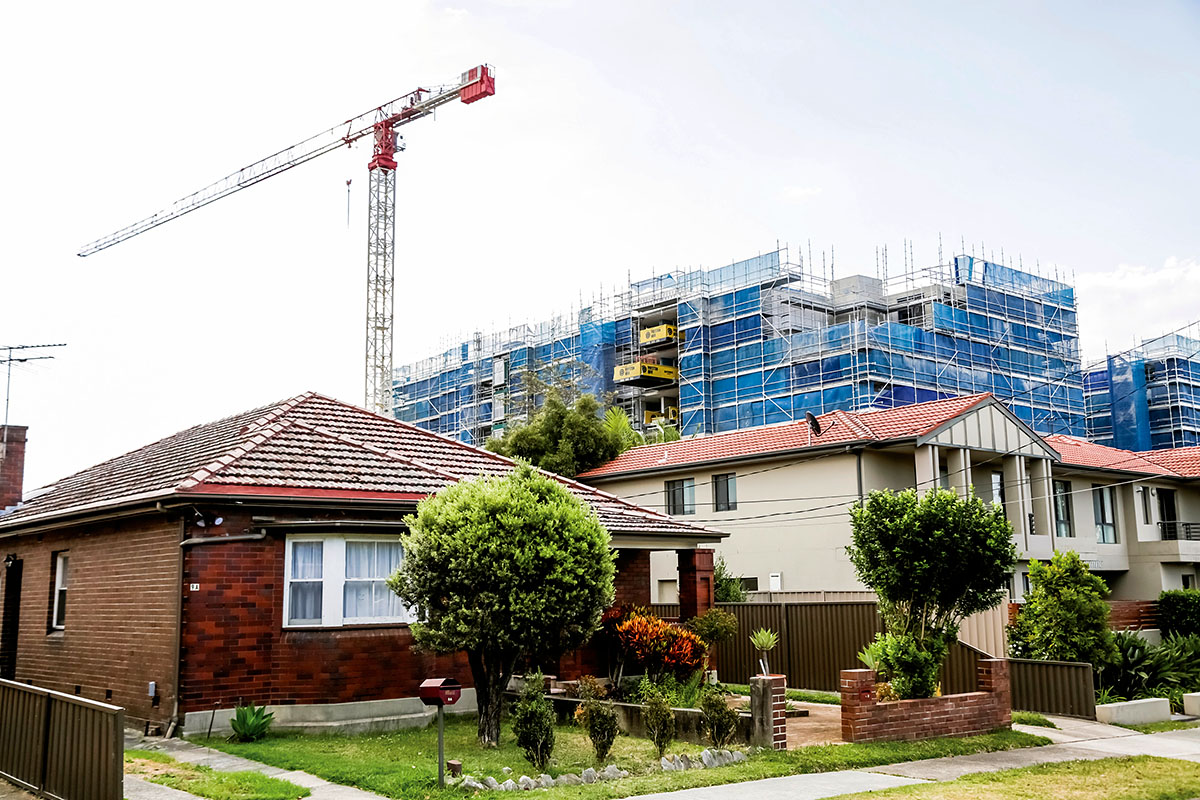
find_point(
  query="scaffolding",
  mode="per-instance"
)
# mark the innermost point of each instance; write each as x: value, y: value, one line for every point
x: 1148, y: 398
x: 764, y: 340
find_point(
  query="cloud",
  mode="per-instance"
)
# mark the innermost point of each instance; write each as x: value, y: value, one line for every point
x: 798, y: 194
x: 1121, y: 307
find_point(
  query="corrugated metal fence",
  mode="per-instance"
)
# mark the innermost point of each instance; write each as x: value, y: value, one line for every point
x: 63, y: 746
x: 1053, y: 687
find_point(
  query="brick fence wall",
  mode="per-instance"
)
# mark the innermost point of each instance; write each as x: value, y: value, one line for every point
x: 865, y: 719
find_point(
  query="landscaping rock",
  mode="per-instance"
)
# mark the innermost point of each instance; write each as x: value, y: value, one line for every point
x: 527, y: 783
x: 508, y: 786
x: 684, y: 762
x: 612, y: 772
x: 708, y: 758
x: 569, y: 779
x: 589, y: 775
x: 677, y: 762
x: 507, y: 770
x: 738, y: 756
x: 491, y: 782
x: 545, y: 780
x: 470, y: 783
x: 668, y: 765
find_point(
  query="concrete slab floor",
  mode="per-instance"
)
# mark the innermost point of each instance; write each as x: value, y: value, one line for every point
x: 139, y: 789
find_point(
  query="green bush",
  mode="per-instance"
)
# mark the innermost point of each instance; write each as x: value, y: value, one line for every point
x: 598, y: 718
x: 533, y: 722
x: 1064, y: 617
x: 677, y: 695
x: 727, y: 587
x: 1141, y: 670
x: 911, y: 664
x: 250, y: 723
x: 720, y: 720
x: 1179, y: 611
x: 659, y: 719
x: 933, y: 560
x: 714, y: 626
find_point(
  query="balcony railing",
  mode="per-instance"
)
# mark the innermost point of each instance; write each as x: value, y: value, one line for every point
x: 1175, y: 531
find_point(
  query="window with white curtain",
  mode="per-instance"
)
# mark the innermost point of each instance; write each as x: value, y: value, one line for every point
x: 339, y: 580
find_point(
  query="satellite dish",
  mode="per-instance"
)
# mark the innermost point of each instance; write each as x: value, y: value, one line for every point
x: 813, y: 424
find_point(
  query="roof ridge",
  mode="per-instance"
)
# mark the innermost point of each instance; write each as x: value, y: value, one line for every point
x: 854, y: 422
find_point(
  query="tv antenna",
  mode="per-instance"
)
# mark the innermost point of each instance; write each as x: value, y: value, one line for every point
x: 8, y: 360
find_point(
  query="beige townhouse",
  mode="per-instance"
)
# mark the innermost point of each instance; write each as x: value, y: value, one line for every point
x: 784, y: 491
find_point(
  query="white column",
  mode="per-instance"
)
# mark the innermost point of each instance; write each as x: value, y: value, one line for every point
x: 958, y: 464
x: 926, y: 458
x: 1016, y: 505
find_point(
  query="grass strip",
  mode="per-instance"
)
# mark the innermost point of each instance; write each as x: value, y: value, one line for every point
x: 799, y: 695
x: 206, y: 782
x: 1162, y: 727
x: 1032, y: 718
x: 1128, y: 778
x: 402, y: 764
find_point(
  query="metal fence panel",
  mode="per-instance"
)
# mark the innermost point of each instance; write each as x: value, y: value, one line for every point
x: 1053, y: 687
x: 825, y: 638
x: 737, y: 660
x: 665, y: 610
x: 63, y: 746
x: 960, y: 673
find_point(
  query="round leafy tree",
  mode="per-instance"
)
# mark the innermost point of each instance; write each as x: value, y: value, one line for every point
x: 1064, y: 616
x: 504, y: 569
x: 932, y: 560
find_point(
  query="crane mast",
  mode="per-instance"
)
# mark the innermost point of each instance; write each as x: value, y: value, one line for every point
x: 380, y: 123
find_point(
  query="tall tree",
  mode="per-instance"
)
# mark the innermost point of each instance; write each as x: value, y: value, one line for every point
x: 504, y: 569
x: 562, y: 439
x: 1064, y: 616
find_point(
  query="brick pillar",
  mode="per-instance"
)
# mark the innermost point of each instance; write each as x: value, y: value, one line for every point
x: 768, y: 711
x: 993, y: 678
x: 632, y: 581
x: 695, y: 582
x: 12, y: 464
x: 858, y: 702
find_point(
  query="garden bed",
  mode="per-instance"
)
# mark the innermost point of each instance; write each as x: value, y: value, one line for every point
x: 688, y: 721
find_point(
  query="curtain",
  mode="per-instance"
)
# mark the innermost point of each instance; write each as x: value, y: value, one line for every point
x: 305, y: 588
x: 368, y: 566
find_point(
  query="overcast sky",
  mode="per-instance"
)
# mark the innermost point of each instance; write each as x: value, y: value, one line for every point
x: 624, y: 138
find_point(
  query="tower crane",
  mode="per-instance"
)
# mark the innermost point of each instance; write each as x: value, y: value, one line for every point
x: 380, y: 124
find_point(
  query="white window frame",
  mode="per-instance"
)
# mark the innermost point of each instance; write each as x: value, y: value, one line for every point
x: 62, y: 567
x: 333, y: 581
x: 1104, y: 499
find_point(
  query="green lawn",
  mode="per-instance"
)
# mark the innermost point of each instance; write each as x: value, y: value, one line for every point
x: 205, y: 782
x: 402, y: 763
x: 1159, y: 727
x: 1139, y: 778
x: 799, y: 695
x: 1031, y: 718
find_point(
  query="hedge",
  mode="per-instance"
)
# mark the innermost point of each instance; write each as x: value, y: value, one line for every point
x: 1179, y: 611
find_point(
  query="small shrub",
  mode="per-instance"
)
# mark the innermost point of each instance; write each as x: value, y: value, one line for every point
x: 907, y: 665
x: 533, y: 722
x: 719, y: 719
x: 1179, y: 611
x: 727, y: 587
x: 1064, y: 617
x: 591, y: 689
x: 250, y: 723
x: 677, y: 694
x: 659, y: 719
x: 659, y: 647
x: 714, y: 626
x: 1106, y: 696
x: 598, y: 719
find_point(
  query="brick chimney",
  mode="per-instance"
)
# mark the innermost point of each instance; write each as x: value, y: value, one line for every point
x: 12, y: 464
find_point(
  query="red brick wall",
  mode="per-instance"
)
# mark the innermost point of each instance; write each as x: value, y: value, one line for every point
x: 234, y: 646
x: 865, y: 719
x: 121, y: 613
x: 12, y: 465
x: 632, y: 581
x: 695, y: 582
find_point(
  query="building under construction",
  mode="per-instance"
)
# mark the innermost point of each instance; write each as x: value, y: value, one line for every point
x: 765, y: 340
x: 1148, y: 398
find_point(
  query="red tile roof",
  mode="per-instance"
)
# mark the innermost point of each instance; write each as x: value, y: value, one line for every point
x: 837, y: 427
x: 1082, y: 453
x: 309, y: 445
x: 1183, y: 460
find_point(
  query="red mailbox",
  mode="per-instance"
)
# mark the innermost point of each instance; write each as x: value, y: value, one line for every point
x: 440, y: 691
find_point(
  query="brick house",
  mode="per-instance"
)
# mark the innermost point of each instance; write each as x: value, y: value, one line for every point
x: 244, y: 560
